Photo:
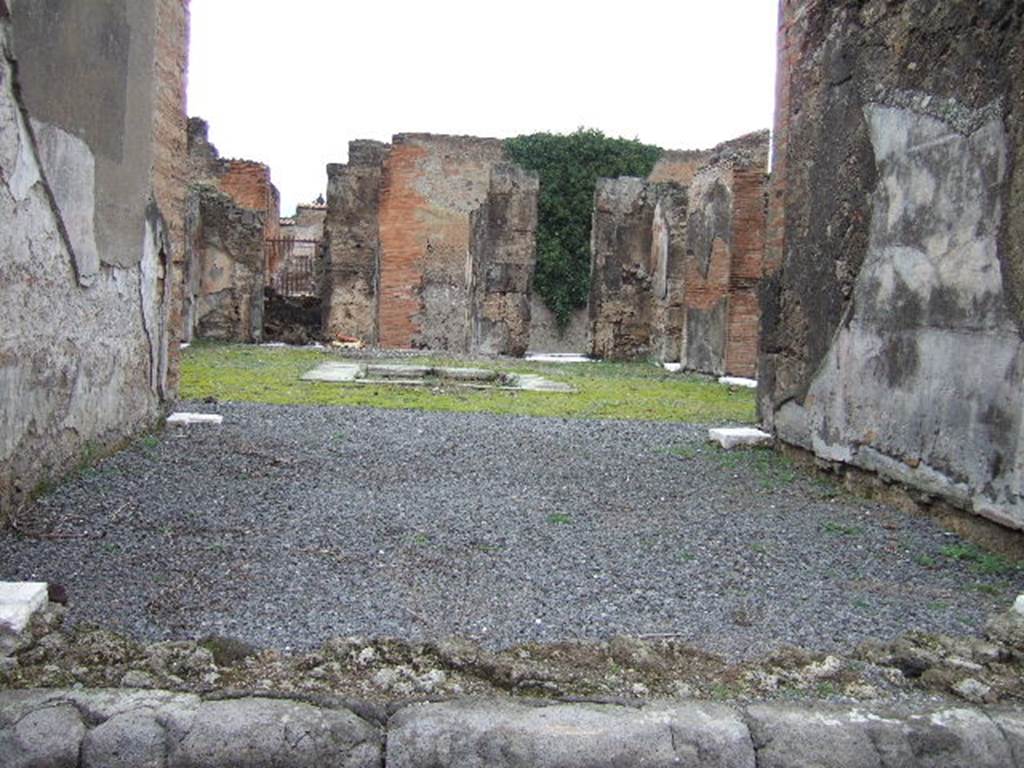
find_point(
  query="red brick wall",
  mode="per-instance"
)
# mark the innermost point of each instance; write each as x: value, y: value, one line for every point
x: 248, y: 184
x: 430, y: 186
x: 748, y: 241
x: 402, y: 238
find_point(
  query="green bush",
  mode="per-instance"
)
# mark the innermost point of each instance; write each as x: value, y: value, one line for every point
x: 569, y: 167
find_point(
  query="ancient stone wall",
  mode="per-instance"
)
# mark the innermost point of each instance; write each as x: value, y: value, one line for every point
x: 229, y: 270
x: 676, y: 267
x: 430, y: 186
x: 225, y: 271
x: 679, y: 166
x: 892, y: 313
x: 502, y: 256
x: 622, y: 269
x: 547, y: 336
x: 352, y: 231
x: 90, y: 201
x: 402, y: 246
x: 723, y: 258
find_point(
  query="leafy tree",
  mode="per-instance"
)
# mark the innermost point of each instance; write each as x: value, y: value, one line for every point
x: 569, y: 167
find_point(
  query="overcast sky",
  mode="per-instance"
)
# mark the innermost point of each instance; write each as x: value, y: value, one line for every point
x: 291, y: 83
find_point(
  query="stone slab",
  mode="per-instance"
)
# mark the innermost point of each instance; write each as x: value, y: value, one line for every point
x: 186, y: 418
x: 533, y: 383
x: 475, y: 734
x: 333, y: 372
x: 672, y: 367
x: 738, y: 381
x: 19, y: 600
x: 558, y: 357
x: 738, y: 437
x: 1018, y: 605
x: 115, y: 727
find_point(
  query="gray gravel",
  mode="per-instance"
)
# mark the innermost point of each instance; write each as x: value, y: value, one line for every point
x: 290, y: 525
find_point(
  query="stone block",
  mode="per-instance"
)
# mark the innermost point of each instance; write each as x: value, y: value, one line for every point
x: 334, y: 372
x: 738, y: 381
x: 19, y: 600
x: 50, y: 737
x: 260, y: 733
x: 185, y: 418
x: 738, y: 437
x: 788, y: 736
x: 474, y: 734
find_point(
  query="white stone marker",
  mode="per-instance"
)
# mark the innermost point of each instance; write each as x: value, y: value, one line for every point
x: 18, y: 601
x: 1018, y: 605
x: 185, y: 418
x: 738, y: 381
x: 672, y: 367
x: 331, y: 371
x: 738, y: 437
x: 558, y: 357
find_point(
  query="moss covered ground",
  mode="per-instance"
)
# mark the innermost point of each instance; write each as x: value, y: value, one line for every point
x: 233, y: 372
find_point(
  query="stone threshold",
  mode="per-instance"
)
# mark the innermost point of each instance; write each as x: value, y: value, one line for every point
x: 114, y: 727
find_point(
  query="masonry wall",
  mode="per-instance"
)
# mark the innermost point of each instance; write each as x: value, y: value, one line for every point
x: 622, y: 268
x: 430, y: 185
x: 892, y: 310
x: 723, y: 258
x: 352, y: 232
x: 676, y: 266
x: 90, y: 200
x: 501, y: 261
x: 224, y: 270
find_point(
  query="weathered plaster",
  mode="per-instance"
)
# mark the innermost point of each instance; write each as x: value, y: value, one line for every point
x: 83, y: 341
x: 923, y: 381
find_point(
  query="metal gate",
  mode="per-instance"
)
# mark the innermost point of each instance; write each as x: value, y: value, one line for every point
x: 293, y: 266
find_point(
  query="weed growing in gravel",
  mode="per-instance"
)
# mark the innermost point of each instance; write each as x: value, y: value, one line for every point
x: 759, y: 548
x: 988, y: 563
x: 926, y: 561
x: 234, y: 372
x: 149, y: 442
x: 841, y: 529
x: 686, y: 556
x: 559, y: 518
x: 987, y: 589
x: 772, y: 469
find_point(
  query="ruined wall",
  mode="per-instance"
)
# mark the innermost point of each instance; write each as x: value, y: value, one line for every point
x: 892, y: 313
x: 502, y: 256
x: 430, y: 186
x: 352, y: 231
x: 225, y: 270
x: 723, y: 258
x: 636, y: 282
x: 679, y: 166
x: 90, y: 201
x: 675, y: 269
x: 229, y: 273
x: 546, y: 336
x: 306, y: 224
x: 622, y: 268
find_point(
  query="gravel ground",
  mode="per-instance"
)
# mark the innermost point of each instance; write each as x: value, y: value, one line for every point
x: 290, y: 525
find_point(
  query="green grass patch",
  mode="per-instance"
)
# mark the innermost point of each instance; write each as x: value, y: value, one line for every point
x: 233, y: 372
x: 988, y: 563
x: 772, y: 469
x: 841, y: 529
x: 559, y: 518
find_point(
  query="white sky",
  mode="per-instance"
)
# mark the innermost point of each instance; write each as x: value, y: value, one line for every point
x: 290, y: 83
